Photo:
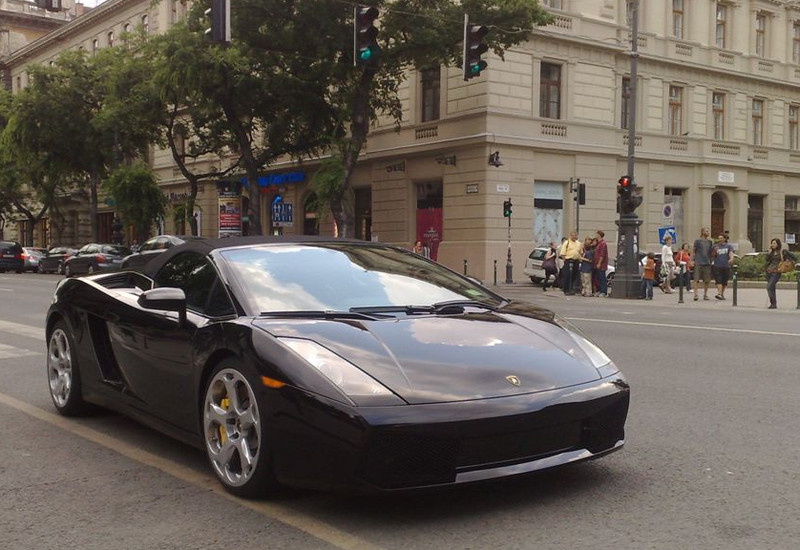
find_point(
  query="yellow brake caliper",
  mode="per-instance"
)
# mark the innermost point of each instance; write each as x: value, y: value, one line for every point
x: 224, y: 402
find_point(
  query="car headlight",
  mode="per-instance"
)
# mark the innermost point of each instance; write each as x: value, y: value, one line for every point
x: 354, y: 382
x: 589, y: 349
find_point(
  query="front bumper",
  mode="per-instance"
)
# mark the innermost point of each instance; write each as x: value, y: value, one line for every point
x: 420, y: 446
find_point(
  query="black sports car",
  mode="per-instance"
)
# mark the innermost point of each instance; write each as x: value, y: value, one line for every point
x: 333, y: 364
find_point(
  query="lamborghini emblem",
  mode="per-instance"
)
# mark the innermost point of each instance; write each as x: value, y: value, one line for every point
x: 513, y: 380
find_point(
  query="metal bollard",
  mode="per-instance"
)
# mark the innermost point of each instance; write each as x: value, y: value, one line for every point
x: 680, y: 285
x: 495, y: 273
x: 465, y: 266
x: 797, y: 270
x: 735, y: 272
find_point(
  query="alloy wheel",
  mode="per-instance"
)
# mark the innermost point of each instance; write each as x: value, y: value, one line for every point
x: 232, y: 427
x: 59, y: 367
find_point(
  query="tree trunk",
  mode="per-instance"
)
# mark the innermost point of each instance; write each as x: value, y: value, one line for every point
x: 94, y: 182
x: 341, y: 206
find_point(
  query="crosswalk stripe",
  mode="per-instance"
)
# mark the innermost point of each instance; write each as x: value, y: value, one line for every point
x: 10, y: 352
x: 22, y: 330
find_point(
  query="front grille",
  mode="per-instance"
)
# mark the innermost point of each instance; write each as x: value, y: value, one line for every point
x: 394, y: 460
x: 496, y: 449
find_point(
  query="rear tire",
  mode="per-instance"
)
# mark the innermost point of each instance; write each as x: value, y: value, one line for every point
x: 63, y: 374
x: 67, y: 271
x: 90, y: 271
x: 232, y: 416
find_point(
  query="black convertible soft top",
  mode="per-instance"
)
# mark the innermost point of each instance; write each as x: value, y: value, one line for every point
x: 205, y: 246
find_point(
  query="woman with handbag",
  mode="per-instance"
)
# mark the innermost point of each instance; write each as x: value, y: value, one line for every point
x: 549, y: 266
x: 779, y: 261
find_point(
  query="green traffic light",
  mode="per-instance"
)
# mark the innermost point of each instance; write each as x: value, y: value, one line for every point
x: 365, y: 54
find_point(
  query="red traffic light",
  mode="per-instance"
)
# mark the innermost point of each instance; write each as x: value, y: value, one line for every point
x: 624, y: 181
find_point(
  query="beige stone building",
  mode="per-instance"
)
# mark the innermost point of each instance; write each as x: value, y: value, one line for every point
x: 717, y: 142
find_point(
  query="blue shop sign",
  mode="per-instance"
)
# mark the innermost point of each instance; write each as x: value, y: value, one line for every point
x: 277, y: 179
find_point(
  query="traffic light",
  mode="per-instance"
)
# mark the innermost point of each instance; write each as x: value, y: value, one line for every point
x: 219, y: 16
x: 581, y: 194
x: 365, y: 46
x: 629, y: 199
x: 474, y: 47
x: 507, y: 208
x: 49, y: 5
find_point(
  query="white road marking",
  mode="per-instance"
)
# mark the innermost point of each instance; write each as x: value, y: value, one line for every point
x: 10, y: 352
x: 302, y: 522
x: 690, y: 327
x: 22, y: 330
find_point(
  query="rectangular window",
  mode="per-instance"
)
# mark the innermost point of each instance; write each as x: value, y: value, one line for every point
x: 761, y: 32
x: 675, y: 110
x: 758, y: 121
x: 718, y: 110
x: 794, y: 143
x: 796, y: 43
x: 629, y: 12
x: 552, y: 4
x: 626, y: 98
x: 550, y: 91
x: 677, y: 18
x: 722, y: 18
x: 431, y: 89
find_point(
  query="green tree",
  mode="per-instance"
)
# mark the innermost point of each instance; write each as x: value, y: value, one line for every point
x: 137, y: 197
x: 293, y: 62
x: 84, y: 116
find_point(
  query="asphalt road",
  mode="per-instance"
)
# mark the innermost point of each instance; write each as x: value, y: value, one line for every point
x: 710, y: 460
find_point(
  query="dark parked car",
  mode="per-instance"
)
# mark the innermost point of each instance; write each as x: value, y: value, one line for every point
x: 152, y: 247
x: 389, y: 372
x: 31, y: 257
x: 11, y: 257
x: 53, y: 261
x: 95, y: 257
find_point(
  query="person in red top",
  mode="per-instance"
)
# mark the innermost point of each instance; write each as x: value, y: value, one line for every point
x: 649, y: 275
x: 601, y: 264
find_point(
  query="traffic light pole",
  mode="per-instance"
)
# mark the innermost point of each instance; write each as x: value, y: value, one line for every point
x: 509, y: 266
x: 627, y: 281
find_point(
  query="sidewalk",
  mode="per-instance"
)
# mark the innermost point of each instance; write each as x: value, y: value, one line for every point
x: 753, y: 297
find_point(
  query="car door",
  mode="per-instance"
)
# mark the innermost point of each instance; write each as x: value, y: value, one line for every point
x: 80, y: 263
x: 156, y: 353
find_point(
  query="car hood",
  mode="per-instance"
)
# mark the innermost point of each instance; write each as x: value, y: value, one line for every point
x: 445, y: 358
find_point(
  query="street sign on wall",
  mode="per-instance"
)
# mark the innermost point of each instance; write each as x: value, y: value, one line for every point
x: 282, y: 214
x: 668, y: 230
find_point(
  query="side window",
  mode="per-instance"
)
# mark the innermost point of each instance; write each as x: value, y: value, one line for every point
x: 195, y: 275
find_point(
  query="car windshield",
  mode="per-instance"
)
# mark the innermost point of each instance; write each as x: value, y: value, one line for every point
x: 338, y: 277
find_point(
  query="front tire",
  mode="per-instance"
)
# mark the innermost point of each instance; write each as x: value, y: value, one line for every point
x: 91, y: 269
x: 63, y: 375
x: 67, y: 271
x: 233, y: 431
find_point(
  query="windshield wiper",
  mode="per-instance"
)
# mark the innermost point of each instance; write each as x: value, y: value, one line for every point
x: 447, y: 307
x: 318, y: 314
x: 457, y: 306
x: 409, y: 310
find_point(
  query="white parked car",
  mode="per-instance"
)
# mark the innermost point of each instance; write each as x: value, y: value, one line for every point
x: 534, y: 270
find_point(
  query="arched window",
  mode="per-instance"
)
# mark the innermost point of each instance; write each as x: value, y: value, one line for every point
x: 95, y: 46
x: 146, y: 23
x: 111, y: 39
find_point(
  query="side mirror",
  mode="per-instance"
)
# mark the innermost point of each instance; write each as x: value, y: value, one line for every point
x: 165, y: 298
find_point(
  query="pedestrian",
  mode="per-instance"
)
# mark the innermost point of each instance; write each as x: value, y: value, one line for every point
x: 649, y: 275
x: 682, y: 259
x: 722, y: 255
x: 775, y: 256
x: 550, y: 266
x: 571, y: 252
x: 586, y: 267
x: 701, y: 260
x: 667, y: 265
x: 421, y: 249
x: 601, y: 263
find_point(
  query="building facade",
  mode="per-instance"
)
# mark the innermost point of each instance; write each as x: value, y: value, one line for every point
x: 717, y: 139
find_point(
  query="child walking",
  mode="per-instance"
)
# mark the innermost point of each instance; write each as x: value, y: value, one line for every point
x: 649, y: 275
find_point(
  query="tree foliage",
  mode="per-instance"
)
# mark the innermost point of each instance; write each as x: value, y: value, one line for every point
x: 137, y: 197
